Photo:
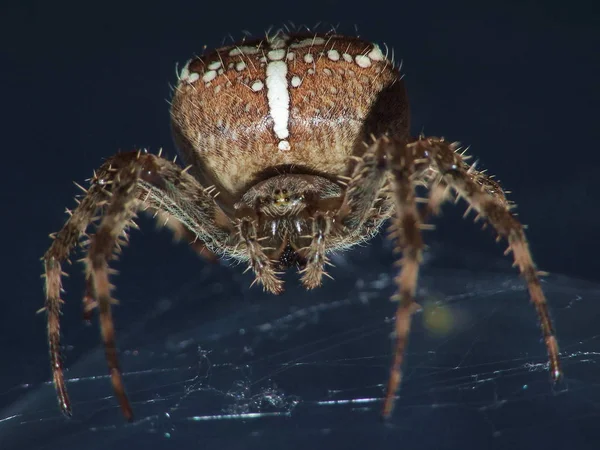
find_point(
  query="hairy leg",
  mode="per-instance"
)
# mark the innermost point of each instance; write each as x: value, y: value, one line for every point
x: 259, y: 261
x: 121, y: 210
x: 364, y: 187
x: 124, y: 184
x: 438, y: 194
x: 315, y: 252
x: 388, y: 172
x: 403, y: 165
x: 63, y: 243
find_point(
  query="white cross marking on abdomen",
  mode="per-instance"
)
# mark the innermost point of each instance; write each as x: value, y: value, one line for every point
x: 278, y: 95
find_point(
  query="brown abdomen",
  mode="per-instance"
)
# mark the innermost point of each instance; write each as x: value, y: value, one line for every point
x: 303, y: 102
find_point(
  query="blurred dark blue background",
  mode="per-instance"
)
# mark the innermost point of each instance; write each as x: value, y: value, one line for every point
x: 517, y: 81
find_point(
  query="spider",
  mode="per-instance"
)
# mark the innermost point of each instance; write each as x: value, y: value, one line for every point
x: 297, y: 145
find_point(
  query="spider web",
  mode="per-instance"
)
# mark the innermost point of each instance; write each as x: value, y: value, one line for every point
x: 216, y: 365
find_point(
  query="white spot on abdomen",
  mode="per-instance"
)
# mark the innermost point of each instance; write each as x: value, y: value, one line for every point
x: 257, y: 86
x: 279, y: 97
x: 209, y: 76
x: 185, y: 72
x: 376, y: 54
x: 363, y: 61
x: 333, y: 55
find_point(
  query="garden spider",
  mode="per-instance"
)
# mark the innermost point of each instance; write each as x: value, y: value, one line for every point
x: 298, y: 145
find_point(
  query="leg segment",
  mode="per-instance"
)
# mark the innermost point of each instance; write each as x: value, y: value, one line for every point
x: 363, y: 188
x: 438, y: 193
x: 315, y: 254
x: 403, y: 165
x: 120, y: 212
x: 63, y: 243
x: 259, y: 262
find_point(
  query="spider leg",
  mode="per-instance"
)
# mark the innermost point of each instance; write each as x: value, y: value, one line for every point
x: 125, y: 184
x: 388, y: 172
x: 403, y: 165
x: 438, y: 194
x: 487, y: 197
x: 120, y: 212
x: 89, y: 296
x: 63, y: 243
x: 154, y: 179
x: 259, y: 261
x: 363, y: 188
x: 315, y: 252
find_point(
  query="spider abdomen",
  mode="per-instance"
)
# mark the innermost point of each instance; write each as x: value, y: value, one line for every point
x: 301, y: 101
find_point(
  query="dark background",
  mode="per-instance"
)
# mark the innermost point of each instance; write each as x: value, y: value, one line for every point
x: 517, y: 81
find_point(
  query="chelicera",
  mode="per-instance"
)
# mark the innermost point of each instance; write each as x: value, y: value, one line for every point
x: 296, y: 145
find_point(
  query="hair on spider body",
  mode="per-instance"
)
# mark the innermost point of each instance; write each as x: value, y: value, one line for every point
x: 296, y: 145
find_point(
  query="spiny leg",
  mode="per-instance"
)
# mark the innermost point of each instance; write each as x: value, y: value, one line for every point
x: 89, y: 297
x: 364, y: 187
x: 259, y: 261
x: 63, y: 243
x: 165, y: 187
x: 403, y: 165
x: 438, y: 194
x: 315, y: 252
x: 439, y: 190
x: 487, y: 197
x: 119, y: 213
x: 160, y: 184
x: 168, y: 189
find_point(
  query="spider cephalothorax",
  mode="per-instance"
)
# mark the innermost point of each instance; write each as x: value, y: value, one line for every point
x: 297, y: 145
